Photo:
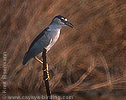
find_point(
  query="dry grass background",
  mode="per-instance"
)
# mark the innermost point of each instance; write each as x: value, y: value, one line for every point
x: 92, y: 56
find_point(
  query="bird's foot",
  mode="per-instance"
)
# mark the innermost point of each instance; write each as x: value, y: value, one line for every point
x: 47, y: 71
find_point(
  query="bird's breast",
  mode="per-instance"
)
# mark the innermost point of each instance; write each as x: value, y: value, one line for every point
x: 53, y: 36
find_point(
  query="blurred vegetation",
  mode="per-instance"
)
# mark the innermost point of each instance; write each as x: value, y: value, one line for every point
x: 92, y: 56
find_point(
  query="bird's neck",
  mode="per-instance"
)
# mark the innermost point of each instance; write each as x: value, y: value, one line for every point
x: 54, y: 26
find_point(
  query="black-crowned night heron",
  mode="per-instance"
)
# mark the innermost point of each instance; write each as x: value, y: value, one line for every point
x: 46, y: 39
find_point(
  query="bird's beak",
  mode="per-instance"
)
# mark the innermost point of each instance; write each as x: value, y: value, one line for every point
x: 69, y: 24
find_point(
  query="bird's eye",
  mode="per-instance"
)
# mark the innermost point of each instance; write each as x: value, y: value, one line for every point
x: 62, y: 18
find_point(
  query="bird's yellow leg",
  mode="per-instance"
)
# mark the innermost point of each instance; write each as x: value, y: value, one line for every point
x: 36, y: 58
x: 47, y: 71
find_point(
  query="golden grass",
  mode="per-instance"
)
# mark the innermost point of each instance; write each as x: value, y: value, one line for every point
x: 91, y: 56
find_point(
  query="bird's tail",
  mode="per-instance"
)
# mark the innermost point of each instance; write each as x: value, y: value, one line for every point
x: 26, y: 59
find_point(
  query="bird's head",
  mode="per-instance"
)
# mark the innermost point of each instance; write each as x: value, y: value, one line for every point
x: 62, y: 21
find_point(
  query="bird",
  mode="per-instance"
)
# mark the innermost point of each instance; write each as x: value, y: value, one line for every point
x: 46, y: 39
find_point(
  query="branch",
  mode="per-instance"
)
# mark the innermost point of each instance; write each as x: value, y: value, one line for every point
x: 45, y: 74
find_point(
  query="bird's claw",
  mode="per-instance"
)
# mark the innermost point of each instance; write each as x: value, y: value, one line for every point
x: 46, y: 70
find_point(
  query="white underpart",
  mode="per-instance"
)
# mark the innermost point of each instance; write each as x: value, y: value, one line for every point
x: 53, y: 35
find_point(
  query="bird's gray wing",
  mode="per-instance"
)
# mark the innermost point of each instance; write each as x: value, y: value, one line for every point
x: 37, y: 38
x: 31, y: 52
